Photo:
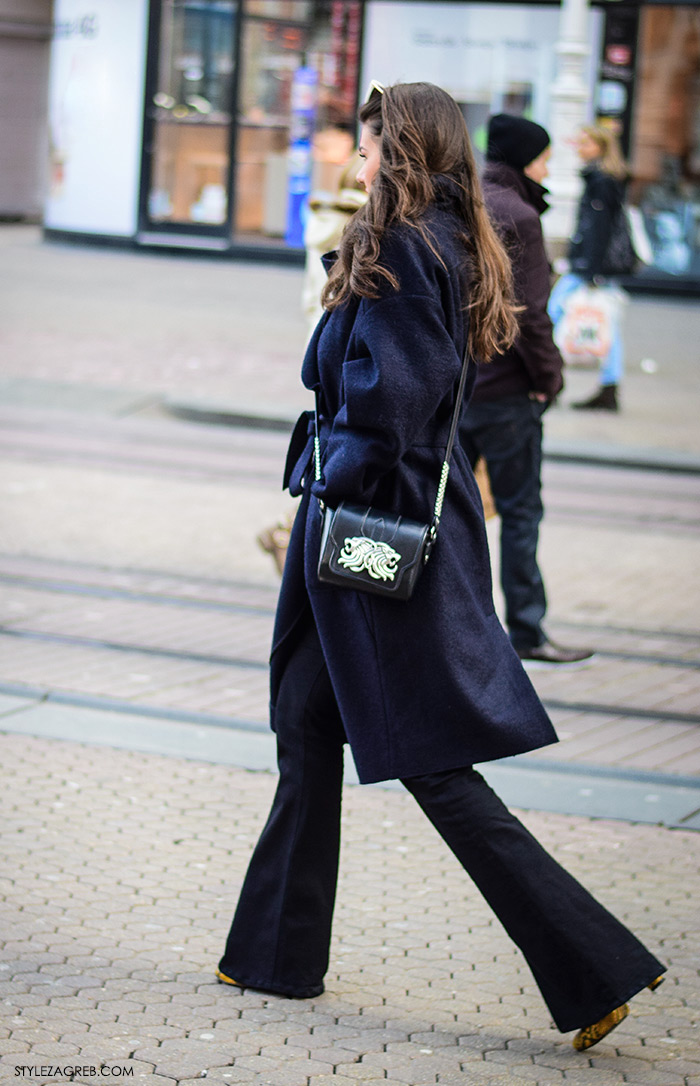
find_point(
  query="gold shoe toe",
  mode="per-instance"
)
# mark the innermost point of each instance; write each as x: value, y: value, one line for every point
x: 226, y: 980
x: 590, y: 1035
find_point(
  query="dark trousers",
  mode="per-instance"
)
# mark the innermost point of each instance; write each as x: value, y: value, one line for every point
x: 507, y: 433
x: 584, y: 961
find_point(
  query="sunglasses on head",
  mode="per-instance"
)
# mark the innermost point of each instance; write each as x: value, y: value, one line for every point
x: 375, y: 89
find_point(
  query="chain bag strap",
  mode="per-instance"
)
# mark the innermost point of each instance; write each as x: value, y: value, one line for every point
x: 375, y: 551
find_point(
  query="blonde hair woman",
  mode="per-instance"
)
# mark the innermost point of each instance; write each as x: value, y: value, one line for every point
x: 606, y: 151
x: 604, y: 175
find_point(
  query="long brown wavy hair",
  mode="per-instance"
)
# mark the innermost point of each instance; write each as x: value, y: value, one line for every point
x: 422, y: 134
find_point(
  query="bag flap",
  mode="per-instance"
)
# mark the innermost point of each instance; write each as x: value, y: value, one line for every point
x: 382, y: 546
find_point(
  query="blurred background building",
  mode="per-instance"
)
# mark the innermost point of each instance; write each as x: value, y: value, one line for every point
x: 25, y: 45
x: 205, y: 124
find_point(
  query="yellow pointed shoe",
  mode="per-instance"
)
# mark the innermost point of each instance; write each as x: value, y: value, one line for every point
x: 226, y: 980
x: 655, y: 983
x: 590, y: 1035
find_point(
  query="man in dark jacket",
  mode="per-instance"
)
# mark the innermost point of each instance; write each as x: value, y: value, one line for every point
x: 503, y: 423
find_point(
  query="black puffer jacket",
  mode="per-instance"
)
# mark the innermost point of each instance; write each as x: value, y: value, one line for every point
x: 601, y: 201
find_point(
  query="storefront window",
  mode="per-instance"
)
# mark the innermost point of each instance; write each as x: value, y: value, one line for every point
x: 191, y: 112
x: 279, y: 9
x: 666, y: 138
x: 296, y: 106
x: 491, y: 57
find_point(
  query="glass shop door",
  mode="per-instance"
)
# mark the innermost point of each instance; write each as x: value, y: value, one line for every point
x: 188, y: 137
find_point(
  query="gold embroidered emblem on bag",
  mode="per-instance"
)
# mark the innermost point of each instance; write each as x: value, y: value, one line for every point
x: 367, y: 555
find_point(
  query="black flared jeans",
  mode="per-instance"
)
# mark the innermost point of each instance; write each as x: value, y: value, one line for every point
x: 585, y: 962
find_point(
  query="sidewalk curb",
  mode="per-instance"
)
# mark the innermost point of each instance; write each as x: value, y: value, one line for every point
x: 623, y: 456
x: 602, y: 455
x: 247, y: 418
x: 526, y: 783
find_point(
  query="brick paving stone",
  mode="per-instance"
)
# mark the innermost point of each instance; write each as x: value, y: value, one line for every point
x: 142, y: 1072
x: 13, y: 1044
x: 332, y: 1080
x: 183, y: 1058
x: 223, y: 1077
x: 592, y: 1076
x: 677, y: 1066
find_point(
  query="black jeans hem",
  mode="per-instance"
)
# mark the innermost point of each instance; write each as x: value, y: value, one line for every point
x: 305, y: 992
x: 605, y: 1008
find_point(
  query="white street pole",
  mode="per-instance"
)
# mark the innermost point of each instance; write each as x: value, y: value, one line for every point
x: 571, y: 108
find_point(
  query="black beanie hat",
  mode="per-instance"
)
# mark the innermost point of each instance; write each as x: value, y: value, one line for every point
x: 515, y: 140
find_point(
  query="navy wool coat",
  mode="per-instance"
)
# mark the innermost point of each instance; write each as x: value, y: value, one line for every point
x: 431, y: 683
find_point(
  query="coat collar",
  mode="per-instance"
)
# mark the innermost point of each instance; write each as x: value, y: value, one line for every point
x: 505, y: 176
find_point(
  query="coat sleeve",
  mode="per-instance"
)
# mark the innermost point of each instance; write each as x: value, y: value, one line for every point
x: 404, y: 364
x: 535, y: 344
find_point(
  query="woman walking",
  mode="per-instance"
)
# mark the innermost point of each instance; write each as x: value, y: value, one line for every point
x: 591, y: 261
x: 424, y: 688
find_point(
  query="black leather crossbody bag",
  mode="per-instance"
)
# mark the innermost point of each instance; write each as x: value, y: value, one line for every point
x: 371, y: 550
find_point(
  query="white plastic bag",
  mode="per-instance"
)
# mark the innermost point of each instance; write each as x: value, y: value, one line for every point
x: 639, y: 235
x: 584, y: 333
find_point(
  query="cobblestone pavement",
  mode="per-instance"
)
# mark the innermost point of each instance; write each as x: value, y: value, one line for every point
x: 122, y: 873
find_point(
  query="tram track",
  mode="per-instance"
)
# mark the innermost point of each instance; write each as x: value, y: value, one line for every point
x: 145, y: 650
x: 134, y: 639
x: 237, y: 661
x: 160, y: 449
x: 195, y: 594
x: 133, y: 708
x: 70, y: 588
x: 44, y: 614
x: 603, y: 495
